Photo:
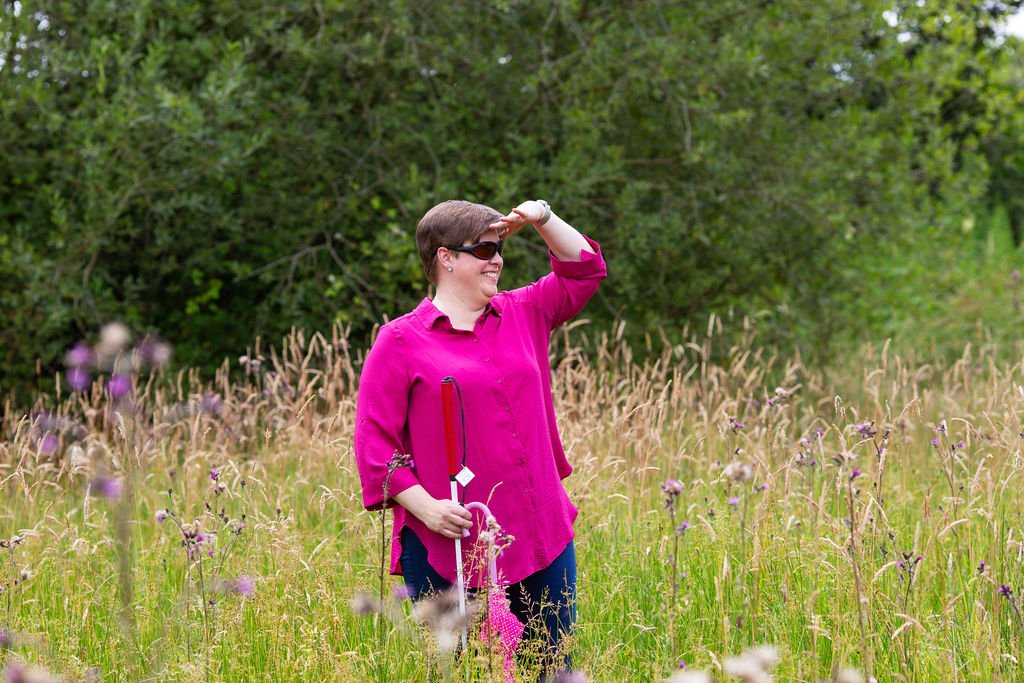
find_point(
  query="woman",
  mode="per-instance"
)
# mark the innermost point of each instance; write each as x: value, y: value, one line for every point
x: 495, y: 344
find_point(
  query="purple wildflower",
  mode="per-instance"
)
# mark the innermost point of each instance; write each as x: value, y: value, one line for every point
x: 398, y: 461
x: 211, y: 403
x: 935, y: 443
x: 733, y: 501
x: 670, y: 489
x: 683, y: 527
x: 15, y: 673
x: 763, y: 487
x: 214, y: 474
x: 49, y: 443
x: 80, y: 355
x: 119, y: 386
x: 1005, y: 591
x: 78, y: 378
x: 106, y: 487
x: 982, y: 566
x: 364, y: 604
x: 161, y: 515
x: 940, y: 428
x: 865, y: 429
x: 244, y: 585
x: 155, y: 353
x: 855, y: 473
x: 960, y: 445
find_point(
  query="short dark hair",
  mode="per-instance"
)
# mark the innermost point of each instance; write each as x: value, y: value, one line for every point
x: 450, y: 224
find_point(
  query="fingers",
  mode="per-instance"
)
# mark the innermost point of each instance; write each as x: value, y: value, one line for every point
x: 454, y: 531
x: 517, y: 218
x: 459, y: 516
x: 505, y: 221
x: 454, y: 534
x: 453, y: 520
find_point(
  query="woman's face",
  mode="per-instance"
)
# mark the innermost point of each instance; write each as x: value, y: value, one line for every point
x: 475, y: 280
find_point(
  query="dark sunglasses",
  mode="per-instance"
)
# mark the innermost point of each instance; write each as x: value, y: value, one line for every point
x: 483, y: 250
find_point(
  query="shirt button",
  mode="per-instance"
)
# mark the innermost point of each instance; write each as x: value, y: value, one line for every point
x: 487, y: 359
x: 514, y: 435
x: 507, y: 408
x: 499, y: 380
x: 475, y: 340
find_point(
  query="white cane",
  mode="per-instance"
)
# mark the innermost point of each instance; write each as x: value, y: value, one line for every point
x: 456, y: 475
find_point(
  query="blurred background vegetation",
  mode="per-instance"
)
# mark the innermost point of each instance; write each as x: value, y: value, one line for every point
x: 209, y: 172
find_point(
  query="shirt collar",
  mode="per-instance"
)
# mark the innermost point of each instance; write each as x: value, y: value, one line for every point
x: 428, y: 314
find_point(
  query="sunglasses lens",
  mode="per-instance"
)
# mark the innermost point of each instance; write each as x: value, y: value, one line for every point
x: 487, y: 250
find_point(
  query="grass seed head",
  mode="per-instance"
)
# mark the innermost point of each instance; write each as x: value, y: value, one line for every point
x: 850, y: 676
x: 690, y: 677
x: 739, y: 471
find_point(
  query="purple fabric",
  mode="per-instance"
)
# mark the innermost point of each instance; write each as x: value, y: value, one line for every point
x: 512, y: 443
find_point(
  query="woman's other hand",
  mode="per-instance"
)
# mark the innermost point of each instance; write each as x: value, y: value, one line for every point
x: 524, y: 214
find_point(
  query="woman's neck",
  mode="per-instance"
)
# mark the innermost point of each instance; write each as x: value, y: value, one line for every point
x: 461, y: 315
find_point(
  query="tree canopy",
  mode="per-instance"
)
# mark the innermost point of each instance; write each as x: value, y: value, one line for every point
x: 209, y: 172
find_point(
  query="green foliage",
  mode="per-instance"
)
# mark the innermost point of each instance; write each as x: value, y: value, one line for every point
x: 216, y: 171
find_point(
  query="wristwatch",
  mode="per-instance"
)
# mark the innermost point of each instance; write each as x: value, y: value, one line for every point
x: 547, y: 211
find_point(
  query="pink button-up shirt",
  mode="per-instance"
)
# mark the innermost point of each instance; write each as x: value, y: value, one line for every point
x: 512, y: 443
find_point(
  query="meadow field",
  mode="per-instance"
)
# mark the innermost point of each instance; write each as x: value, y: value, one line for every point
x: 865, y: 521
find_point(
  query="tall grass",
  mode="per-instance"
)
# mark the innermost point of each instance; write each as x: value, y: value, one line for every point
x: 813, y: 549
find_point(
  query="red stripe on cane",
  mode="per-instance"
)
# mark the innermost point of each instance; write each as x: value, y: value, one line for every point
x: 448, y: 413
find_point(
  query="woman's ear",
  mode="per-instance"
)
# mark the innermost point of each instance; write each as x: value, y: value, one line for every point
x: 444, y: 258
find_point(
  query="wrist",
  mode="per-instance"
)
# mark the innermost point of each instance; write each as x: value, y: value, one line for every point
x: 546, y: 216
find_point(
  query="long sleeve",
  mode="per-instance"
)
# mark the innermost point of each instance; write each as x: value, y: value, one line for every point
x: 381, y: 419
x: 563, y: 292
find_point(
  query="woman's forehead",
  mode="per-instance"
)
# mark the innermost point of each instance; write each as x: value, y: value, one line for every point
x: 487, y: 236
